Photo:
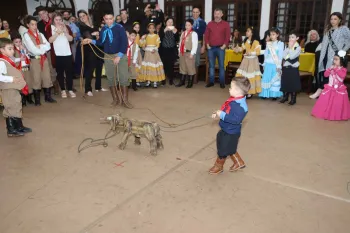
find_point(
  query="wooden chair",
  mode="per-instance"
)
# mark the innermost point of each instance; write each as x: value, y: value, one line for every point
x: 216, y: 73
x: 309, y: 76
x: 231, y: 70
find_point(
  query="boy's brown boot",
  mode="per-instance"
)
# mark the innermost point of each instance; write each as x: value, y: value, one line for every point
x: 238, y: 162
x: 218, y: 166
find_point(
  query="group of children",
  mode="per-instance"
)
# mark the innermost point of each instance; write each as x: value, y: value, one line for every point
x: 280, y: 78
x: 149, y: 68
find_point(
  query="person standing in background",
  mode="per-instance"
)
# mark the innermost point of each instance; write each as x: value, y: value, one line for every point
x: 44, y: 25
x: 38, y: 46
x: 125, y: 22
x: 217, y: 38
x: 199, y: 26
x: 169, y: 36
x: 336, y: 38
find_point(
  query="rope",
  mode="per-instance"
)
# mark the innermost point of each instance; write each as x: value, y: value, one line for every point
x: 116, y: 72
x: 96, y: 142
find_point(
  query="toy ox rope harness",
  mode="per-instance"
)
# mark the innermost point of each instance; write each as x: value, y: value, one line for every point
x: 107, y: 57
x: 149, y: 130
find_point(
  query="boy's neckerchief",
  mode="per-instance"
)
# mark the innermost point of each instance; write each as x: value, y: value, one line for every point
x: 226, y: 105
x: 108, y: 30
x: 37, y: 40
x: 129, y: 52
x: 182, y: 46
x: 294, y: 47
x: 12, y: 63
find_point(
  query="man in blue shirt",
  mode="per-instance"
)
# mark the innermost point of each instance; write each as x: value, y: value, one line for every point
x: 114, y: 41
x: 199, y: 26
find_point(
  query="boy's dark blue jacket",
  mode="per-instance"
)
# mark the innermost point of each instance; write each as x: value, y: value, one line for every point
x: 232, y: 116
x: 115, y: 42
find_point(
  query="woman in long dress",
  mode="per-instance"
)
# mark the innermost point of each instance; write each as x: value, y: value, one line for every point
x: 336, y: 38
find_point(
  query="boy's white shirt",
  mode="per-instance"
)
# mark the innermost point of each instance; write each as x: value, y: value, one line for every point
x: 3, y: 71
x: 134, y: 54
x: 33, y: 50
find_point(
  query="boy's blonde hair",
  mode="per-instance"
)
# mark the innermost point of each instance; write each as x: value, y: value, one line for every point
x: 242, y: 83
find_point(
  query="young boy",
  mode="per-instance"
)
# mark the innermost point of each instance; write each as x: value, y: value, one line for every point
x: 37, y: 46
x: 114, y: 41
x: 11, y: 83
x: 290, y: 80
x: 231, y: 116
x: 187, y: 54
x: 134, y: 58
x: 22, y: 55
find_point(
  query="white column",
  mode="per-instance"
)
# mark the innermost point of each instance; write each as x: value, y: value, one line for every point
x: 208, y: 6
x: 115, y: 4
x: 161, y: 5
x: 265, y: 16
x: 81, y: 5
x: 337, y: 6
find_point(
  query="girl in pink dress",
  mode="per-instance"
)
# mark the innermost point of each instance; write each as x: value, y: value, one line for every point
x: 333, y: 103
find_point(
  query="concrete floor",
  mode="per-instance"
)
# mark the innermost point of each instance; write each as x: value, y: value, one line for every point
x: 298, y: 169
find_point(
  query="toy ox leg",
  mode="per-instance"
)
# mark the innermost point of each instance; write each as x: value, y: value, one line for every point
x: 151, y: 137
x: 158, y: 136
x: 127, y: 134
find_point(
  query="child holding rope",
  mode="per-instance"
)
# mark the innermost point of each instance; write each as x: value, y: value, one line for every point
x: 115, y: 44
x: 231, y: 115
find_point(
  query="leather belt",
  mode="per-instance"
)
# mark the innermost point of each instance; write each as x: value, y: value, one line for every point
x: 34, y: 57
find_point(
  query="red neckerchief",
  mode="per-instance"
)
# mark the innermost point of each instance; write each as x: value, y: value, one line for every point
x: 129, y: 53
x: 47, y: 24
x: 226, y: 105
x: 37, y: 40
x: 182, y: 46
x: 20, y: 63
x: 12, y: 63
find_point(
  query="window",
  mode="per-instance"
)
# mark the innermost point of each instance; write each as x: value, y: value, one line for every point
x: 346, y: 12
x: 188, y: 12
x: 182, y: 10
x: 241, y: 13
x: 97, y: 9
x: 58, y: 5
x: 300, y: 15
x: 231, y: 14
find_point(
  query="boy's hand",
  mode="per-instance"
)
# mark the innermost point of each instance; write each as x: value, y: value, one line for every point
x: 86, y: 41
x: 116, y: 60
x: 17, y: 80
x: 216, y: 114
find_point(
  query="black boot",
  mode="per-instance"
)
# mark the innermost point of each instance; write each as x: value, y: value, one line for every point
x: 48, y: 98
x: 37, y: 97
x: 182, y: 82
x: 285, y: 97
x: 20, y: 127
x: 190, y: 81
x: 171, y: 81
x: 11, y: 128
x: 293, y: 99
x: 133, y: 84
x: 29, y: 98
x: 24, y: 101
